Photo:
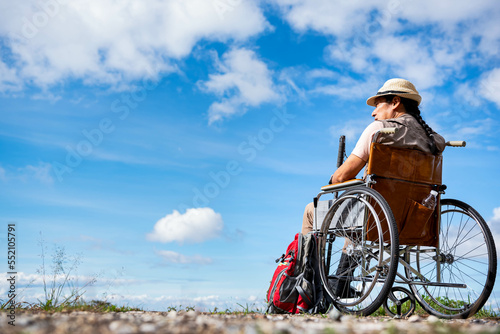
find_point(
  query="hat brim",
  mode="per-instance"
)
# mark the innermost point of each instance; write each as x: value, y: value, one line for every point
x: 415, y: 97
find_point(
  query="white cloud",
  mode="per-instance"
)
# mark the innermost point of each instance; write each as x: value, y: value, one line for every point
x: 494, y: 222
x: 366, y: 35
x: 494, y: 225
x: 326, y: 16
x: 159, y: 302
x: 173, y: 257
x: 244, y: 81
x: 364, y: 17
x: 479, y: 127
x: 42, y: 172
x: 351, y: 129
x: 349, y: 88
x: 321, y: 73
x: 37, y: 280
x: 8, y: 78
x: 468, y: 95
x: 3, y: 177
x: 110, y: 42
x: 421, y: 68
x: 490, y: 86
x: 447, y: 12
x: 430, y: 62
x: 196, y: 225
x: 357, y: 56
x: 428, y: 66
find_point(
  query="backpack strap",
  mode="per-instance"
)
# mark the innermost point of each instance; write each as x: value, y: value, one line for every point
x: 305, y: 296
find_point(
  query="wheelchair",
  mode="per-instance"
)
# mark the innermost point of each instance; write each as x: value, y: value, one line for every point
x: 446, y: 256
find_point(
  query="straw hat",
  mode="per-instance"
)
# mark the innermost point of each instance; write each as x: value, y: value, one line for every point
x: 399, y: 87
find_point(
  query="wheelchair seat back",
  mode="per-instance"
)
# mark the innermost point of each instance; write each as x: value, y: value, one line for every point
x: 404, y: 177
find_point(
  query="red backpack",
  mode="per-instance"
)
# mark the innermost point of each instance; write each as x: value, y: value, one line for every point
x: 295, y: 286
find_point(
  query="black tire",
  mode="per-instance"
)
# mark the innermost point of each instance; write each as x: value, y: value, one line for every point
x: 407, y: 303
x: 362, y: 216
x: 467, y: 256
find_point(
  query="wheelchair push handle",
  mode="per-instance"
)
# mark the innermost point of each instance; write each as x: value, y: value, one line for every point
x: 340, y: 156
x: 456, y: 143
x: 383, y: 131
x: 388, y: 130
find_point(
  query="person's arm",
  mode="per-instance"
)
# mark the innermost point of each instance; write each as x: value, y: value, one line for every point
x: 359, y: 156
x: 349, y: 169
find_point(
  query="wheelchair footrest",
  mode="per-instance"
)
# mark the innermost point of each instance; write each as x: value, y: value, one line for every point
x: 446, y: 285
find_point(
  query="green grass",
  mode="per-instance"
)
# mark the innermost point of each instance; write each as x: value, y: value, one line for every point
x: 61, y: 290
x: 98, y: 306
x: 180, y: 308
x: 245, y: 309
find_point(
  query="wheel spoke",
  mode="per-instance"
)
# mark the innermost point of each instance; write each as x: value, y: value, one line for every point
x: 484, y: 255
x: 358, y: 216
x: 465, y: 247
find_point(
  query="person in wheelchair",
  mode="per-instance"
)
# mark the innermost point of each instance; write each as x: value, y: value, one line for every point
x: 396, y: 105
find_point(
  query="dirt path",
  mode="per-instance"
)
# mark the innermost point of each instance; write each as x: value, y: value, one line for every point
x: 194, y: 322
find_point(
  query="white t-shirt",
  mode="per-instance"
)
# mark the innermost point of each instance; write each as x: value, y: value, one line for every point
x: 362, y: 149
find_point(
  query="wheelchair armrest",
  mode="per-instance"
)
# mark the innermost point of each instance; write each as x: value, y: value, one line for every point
x: 342, y: 185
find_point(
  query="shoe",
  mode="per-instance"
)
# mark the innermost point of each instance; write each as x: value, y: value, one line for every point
x: 341, y: 286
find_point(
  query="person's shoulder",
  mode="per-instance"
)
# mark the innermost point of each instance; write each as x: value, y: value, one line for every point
x: 375, y: 126
x: 403, y: 120
x: 439, y: 141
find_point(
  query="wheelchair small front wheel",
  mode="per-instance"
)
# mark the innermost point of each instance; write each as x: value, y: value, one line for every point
x: 358, y: 251
x: 400, y: 303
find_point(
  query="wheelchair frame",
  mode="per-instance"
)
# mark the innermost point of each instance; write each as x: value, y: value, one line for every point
x: 425, y: 268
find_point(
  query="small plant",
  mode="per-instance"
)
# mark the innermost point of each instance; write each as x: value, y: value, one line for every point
x: 60, y: 289
x: 247, y: 309
x: 172, y: 308
x: 441, y: 302
x: 378, y: 313
x: 487, y: 313
x: 104, y: 306
x: 93, y: 306
x: 179, y: 308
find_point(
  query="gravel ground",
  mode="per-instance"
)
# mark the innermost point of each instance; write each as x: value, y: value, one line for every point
x: 195, y: 322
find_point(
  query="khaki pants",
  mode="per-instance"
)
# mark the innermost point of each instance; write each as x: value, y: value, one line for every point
x: 308, y: 219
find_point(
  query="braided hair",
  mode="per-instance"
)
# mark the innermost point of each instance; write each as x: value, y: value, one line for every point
x: 411, y: 107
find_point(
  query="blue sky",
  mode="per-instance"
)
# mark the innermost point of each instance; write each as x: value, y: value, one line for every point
x: 172, y: 145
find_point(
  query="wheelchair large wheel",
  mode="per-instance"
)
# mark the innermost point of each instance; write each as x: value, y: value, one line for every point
x: 358, y: 249
x: 467, y: 257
